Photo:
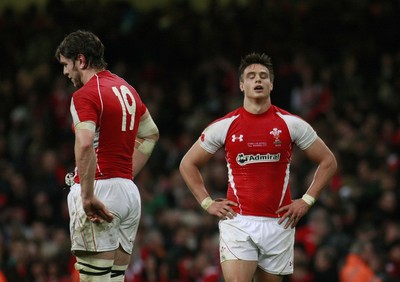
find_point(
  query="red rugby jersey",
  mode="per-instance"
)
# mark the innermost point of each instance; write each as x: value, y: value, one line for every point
x: 115, y: 107
x: 258, y: 152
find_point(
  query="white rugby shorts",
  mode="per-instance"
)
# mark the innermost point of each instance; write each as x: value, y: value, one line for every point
x: 261, y: 239
x: 121, y: 197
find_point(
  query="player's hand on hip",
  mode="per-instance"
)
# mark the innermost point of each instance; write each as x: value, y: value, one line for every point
x: 222, y: 208
x: 293, y: 213
x: 96, y: 211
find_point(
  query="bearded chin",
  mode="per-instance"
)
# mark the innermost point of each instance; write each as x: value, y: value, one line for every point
x: 77, y: 80
x: 78, y: 83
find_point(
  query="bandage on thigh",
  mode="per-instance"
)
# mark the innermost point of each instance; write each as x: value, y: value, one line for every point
x: 118, y: 273
x: 94, y: 270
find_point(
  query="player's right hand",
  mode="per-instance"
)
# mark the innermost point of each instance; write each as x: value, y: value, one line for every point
x: 96, y: 211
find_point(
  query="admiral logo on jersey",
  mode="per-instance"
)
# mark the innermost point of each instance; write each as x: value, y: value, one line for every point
x: 243, y: 159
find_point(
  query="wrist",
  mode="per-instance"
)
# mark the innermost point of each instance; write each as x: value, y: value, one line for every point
x: 310, y: 200
x: 207, y: 202
x: 86, y: 197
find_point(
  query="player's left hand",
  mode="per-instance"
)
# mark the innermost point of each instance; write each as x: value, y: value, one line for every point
x: 222, y: 208
x: 293, y: 212
x: 96, y: 211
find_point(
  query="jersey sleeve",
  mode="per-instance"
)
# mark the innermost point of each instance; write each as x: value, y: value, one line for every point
x: 213, y: 137
x: 83, y: 109
x: 301, y: 132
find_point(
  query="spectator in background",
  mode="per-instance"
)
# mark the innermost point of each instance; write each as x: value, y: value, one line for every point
x: 325, y: 264
x: 393, y: 265
x: 357, y: 265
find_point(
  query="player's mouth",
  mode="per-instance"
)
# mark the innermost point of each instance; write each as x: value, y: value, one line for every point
x: 258, y: 88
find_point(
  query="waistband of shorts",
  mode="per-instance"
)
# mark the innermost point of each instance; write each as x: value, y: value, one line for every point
x: 258, y: 218
x: 120, y: 179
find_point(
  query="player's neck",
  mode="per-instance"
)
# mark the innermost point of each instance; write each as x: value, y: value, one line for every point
x: 256, y: 106
x: 89, y: 73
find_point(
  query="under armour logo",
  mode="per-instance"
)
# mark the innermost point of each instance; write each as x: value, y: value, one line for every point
x: 240, y: 138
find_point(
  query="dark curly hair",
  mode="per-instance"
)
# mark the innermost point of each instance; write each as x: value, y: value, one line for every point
x: 85, y: 43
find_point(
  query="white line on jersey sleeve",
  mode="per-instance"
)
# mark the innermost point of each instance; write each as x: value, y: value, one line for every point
x: 302, y: 134
x: 74, y: 114
x: 215, y: 134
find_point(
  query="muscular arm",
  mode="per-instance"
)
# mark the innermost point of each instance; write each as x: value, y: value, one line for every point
x: 85, y: 160
x: 148, y: 135
x: 86, y: 163
x: 320, y: 154
x: 189, y: 168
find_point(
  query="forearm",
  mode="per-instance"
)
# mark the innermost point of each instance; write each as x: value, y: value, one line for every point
x: 194, y: 180
x: 321, y: 155
x: 322, y: 176
x: 86, y: 164
x: 138, y: 162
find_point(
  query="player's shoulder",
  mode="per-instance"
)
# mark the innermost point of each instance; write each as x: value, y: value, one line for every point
x: 286, y: 114
x: 281, y: 111
x: 115, y: 79
x: 228, y: 116
x: 82, y: 91
x: 86, y: 92
x: 233, y: 113
x: 91, y: 86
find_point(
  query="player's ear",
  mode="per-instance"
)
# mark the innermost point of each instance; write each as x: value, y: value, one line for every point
x: 241, y: 86
x: 82, y: 61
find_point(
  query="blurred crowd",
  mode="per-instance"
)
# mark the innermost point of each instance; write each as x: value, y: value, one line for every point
x: 337, y: 65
